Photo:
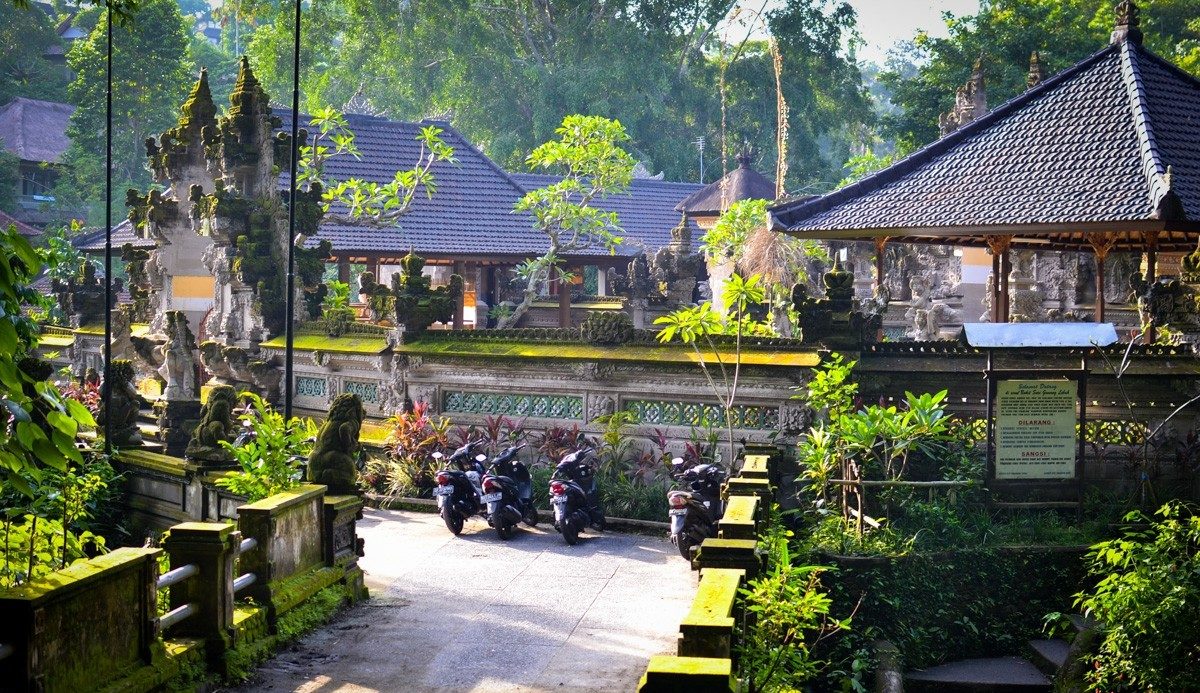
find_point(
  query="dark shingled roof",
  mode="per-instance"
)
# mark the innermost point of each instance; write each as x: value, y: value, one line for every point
x: 93, y: 239
x: 1109, y: 144
x: 647, y: 211
x: 35, y: 130
x: 470, y: 214
x: 24, y: 229
x: 742, y: 183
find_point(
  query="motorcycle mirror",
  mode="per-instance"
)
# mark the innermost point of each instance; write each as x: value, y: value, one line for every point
x: 438, y: 455
x: 480, y: 457
x: 676, y: 461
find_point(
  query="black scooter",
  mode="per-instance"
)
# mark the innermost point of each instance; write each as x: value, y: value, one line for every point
x: 694, y: 513
x: 458, y: 488
x: 508, y: 493
x: 575, y: 496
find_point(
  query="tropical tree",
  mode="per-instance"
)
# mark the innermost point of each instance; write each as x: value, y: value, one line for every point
x: 924, y: 73
x: 593, y: 165
x: 151, y: 67
x: 25, y: 35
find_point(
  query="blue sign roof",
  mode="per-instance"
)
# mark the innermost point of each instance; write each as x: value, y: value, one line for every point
x: 1045, y: 335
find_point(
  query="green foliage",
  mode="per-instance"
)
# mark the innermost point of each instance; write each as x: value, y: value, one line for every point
x: 26, y: 35
x: 39, y: 423
x: 271, y: 461
x: 726, y: 240
x: 789, y: 616
x: 831, y: 391
x: 151, y: 67
x: 335, y: 308
x: 1147, y: 601
x: 379, y: 204
x: 593, y: 165
x: 408, y: 468
x: 10, y: 179
x: 924, y: 77
x: 65, y: 520
x: 510, y: 72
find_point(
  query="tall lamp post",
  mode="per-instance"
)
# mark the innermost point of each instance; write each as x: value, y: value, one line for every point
x: 108, y: 270
x: 291, y: 246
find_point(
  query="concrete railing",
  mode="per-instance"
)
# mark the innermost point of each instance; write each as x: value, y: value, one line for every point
x: 96, y: 624
x: 708, y: 632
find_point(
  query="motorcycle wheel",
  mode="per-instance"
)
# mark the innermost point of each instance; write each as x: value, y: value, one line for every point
x: 685, y: 542
x: 531, y: 517
x: 570, y: 532
x: 453, y: 519
x: 503, y: 529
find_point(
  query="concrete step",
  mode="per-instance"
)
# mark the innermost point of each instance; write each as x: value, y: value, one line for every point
x: 1049, y: 655
x: 999, y: 674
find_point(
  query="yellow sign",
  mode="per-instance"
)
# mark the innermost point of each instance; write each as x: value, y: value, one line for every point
x: 1035, y: 429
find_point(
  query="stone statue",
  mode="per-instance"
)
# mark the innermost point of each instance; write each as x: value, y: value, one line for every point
x: 375, y: 295
x: 334, y: 456
x: 121, y: 413
x: 179, y: 361
x: 216, y: 424
x: 417, y: 305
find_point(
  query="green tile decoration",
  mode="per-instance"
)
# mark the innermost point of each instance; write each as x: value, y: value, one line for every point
x: 509, y: 404
x: 308, y: 386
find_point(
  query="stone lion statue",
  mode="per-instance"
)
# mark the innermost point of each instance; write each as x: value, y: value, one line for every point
x: 216, y: 424
x: 332, y: 461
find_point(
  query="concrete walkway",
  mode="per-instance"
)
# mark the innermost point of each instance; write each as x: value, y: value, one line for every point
x: 473, y: 613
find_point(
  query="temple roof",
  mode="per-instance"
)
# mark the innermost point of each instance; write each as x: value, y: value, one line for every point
x: 36, y: 130
x: 647, y: 211
x: 1108, y: 145
x: 742, y: 183
x: 470, y: 214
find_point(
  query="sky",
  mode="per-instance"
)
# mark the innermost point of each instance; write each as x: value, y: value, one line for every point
x: 884, y: 22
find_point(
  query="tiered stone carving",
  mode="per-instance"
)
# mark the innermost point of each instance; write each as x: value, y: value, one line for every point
x: 178, y: 369
x: 417, y: 305
x: 837, y: 320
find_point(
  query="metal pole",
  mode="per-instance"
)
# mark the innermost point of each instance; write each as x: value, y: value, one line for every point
x: 291, y: 245
x: 108, y: 125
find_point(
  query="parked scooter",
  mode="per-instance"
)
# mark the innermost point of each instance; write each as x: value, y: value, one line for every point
x: 575, y: 495
x: 508, y: 493
x: 459, y: 486
x: 694, y: 513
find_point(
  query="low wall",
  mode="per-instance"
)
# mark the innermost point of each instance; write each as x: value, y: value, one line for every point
x: 91, y: 622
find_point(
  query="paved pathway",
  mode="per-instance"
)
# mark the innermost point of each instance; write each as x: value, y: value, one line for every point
x: 472, y: 613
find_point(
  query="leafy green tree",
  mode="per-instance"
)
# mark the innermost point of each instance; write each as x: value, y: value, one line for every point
x: 25, y: 35
x: 508, y: 72
x: 1006, y: 32
x: 593, y: 165
x: 152, y: 72
x: 10, y: 179
x: 699, y: 325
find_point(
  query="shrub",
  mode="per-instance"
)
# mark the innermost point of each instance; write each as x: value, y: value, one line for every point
x: 1148, y: 603
x: 408, y: 469
x: 272, y: 461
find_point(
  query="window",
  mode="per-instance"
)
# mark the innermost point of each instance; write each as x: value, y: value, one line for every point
x: 38, y: 182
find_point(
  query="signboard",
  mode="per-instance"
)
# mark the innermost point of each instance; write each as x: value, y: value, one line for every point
x: 1035, y: 429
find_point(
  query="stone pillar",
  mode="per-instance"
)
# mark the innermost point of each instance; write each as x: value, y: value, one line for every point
x: 211, y: 547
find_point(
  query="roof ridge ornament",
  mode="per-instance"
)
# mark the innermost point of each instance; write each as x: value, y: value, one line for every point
x: 1036, y: 75
x: 745, y: 155
x: 970, y: 101
x: 1127, y: 25
x: 1169, y: 207
x: 359, y: 104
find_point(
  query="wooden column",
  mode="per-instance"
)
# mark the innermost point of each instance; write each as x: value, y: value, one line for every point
x: 564, y: 302
x: 998, y: 245
x: 1101, y: 244
x: 460, y: 268
x: 880, y: 244
x: 1150, y: 239
x: 343, y: 265
x: 1005, y: 286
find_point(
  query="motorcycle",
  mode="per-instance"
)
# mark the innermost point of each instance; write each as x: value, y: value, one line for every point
x: 508, y: 493
x: 575, y: 495
x: 694, y: 513
x: 458, y: 489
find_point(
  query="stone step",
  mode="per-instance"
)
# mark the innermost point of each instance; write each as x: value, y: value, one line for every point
x: 1000, y: 674
x: 1049, y: 655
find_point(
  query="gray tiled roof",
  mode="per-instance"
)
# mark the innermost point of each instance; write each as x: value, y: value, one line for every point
x: 470, y: 214
x: 1092, y: 144
x: 647, y: 211
x: 35, y: 130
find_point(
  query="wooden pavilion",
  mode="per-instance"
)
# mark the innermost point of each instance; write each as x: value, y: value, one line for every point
x: 1103, y: 157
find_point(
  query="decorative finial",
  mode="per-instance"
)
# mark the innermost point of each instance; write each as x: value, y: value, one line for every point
x: 1127, y: 24
x: 359, y: 104
x: 744, y: 155
x: 1035, y: 71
